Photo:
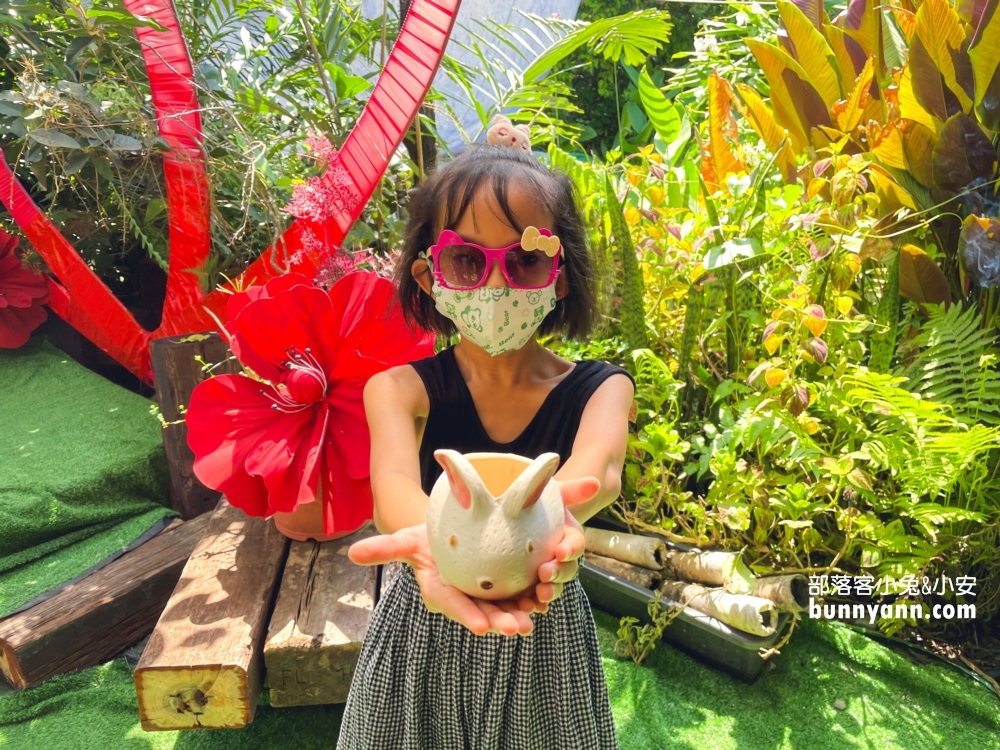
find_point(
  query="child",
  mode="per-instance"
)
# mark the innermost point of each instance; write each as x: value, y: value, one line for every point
x: 495, y: 247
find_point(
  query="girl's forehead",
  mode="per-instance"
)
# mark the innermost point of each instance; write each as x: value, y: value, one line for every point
x: 485, y: 220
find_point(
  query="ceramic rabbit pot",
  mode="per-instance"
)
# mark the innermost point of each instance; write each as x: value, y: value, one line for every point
x: 493, y: 518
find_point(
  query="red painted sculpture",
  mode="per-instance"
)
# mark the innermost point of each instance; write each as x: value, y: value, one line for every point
x: 81, y: 298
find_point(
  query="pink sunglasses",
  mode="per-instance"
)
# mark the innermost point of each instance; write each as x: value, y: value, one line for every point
x: 531, y: 263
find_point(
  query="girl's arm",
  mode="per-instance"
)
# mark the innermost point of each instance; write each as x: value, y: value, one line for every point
x: 598, y: 452
x: 599, y: 447
x: 394, y: 399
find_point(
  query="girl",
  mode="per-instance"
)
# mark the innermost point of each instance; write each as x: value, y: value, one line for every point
x: 495, y: 248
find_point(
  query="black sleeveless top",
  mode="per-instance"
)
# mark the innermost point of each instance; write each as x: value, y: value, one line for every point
x: 453, y: 421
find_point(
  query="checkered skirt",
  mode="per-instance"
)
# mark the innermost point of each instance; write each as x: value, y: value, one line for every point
x: 424, y: 682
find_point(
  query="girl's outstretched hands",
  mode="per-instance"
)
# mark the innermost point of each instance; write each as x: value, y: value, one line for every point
x: 410, y: 545
x: 509, y: 617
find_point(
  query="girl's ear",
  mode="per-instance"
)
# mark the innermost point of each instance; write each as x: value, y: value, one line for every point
x: 421, y: 273
x: 562, y: 285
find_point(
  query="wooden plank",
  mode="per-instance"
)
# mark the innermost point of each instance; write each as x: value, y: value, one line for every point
x: 203, y: 665
x: 176, y: 373
x: 320, y: 619
x: 90, y: 621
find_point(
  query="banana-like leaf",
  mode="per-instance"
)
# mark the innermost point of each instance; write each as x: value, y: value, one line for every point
x: 849, y: 113
x: 846, y: 64
x: 892, y: 196
x: 920, y: 279
x: 985, y: 57
x: 921, y: 92
x: 775, y: 137
x: 963, y: 155
x: 940, y: 30
x: 813, y: 10
x: 774, y: 62
x: 862, y: 23
x: 812, y: 52
x: 906, y: 20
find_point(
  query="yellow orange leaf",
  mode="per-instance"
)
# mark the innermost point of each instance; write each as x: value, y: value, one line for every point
x: 816, y: 185
x: 772, y: 342
x: 809, y: 424
x: 773, y: 62
x: 906, y: 19
x: 776, y: 138
x: 775, y: 376
x: 655, y: 194
x: 722, y: 129
x: 849, y: 116
x: 835, y: 37
x: 940, y: 30
x: 918, y: 146
x: 632, y: 216
x: 812, y: 52
x: 815, y: 320
x: 844, y: 305
x: 634, y: 177
x: 910, y: 107
x: 654, y: 231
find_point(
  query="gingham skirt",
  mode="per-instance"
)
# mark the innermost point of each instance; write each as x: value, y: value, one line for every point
x: 424, y: 682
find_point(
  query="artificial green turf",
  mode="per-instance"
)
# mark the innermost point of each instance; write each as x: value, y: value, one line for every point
x: 82, y: 470
x: 672, y: 701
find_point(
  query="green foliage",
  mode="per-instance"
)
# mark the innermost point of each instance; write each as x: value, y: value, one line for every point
x: 633, y: 314
x: 956, y: 364
x: 635, y: 642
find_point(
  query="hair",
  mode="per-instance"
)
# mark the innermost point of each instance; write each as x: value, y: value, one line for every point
x: 454, y: 187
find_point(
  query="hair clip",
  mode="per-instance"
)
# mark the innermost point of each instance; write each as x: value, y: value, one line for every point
x: 540, y: 239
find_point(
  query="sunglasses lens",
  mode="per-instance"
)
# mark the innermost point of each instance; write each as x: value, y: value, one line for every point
x: 463, y: 266
x: 528, y: 268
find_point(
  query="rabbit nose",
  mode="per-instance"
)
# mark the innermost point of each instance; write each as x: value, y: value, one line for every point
x: 485, y: 583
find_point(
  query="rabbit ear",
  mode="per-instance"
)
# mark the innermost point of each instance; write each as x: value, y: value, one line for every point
x: 465, y: 482
x: 528, y: 487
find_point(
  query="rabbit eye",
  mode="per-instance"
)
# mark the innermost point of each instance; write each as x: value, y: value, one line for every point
x: 453, y: 540
x: 531, y: 546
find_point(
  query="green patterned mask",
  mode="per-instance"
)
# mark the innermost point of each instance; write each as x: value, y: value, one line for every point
x: 497, y: 319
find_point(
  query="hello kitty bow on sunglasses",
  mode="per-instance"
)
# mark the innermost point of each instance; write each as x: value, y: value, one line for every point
x: 531, y: 263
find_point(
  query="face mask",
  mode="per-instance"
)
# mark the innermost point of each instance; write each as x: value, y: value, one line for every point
x: 496, y: 319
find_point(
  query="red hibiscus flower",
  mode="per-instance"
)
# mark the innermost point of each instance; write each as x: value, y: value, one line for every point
x: 293, y: 429
x: 22, y: 294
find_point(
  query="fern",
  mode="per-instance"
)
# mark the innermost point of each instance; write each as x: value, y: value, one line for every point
x: 956, y: 364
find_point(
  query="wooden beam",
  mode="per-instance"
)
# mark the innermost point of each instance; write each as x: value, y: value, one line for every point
x: 176, y: 372
x: 203, y: 665
x: 90, y: 621
x: 320, y: 619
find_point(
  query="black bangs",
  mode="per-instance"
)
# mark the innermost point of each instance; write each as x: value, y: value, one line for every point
x: 449, y: 193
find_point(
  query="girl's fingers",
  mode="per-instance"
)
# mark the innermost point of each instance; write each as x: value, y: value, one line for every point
x: 507, y: 623
x: 547, y: 592
x: 455, y: 605
x: 378, y: 550
x: 576, y: 491
x: 574, y: 541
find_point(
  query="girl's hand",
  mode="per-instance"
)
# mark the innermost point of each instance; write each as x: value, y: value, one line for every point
x: 410, y: 545
x: 563, y: 567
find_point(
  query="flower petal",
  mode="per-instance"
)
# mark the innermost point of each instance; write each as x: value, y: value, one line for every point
x: 348, y: 429
x: 300, y: 317
x: 347, y: 502
x: 17, y: 323
x: 227, y: 418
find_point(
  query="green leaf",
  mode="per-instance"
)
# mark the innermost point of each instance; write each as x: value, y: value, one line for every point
x: 53, y: 138
x: 154, y: 208
x: 633, y: 35
x: 76, y: 163
x: 119, y: 142
x: 665, y: 118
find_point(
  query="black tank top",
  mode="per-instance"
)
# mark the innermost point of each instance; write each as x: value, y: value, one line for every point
x: 453, y: 421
